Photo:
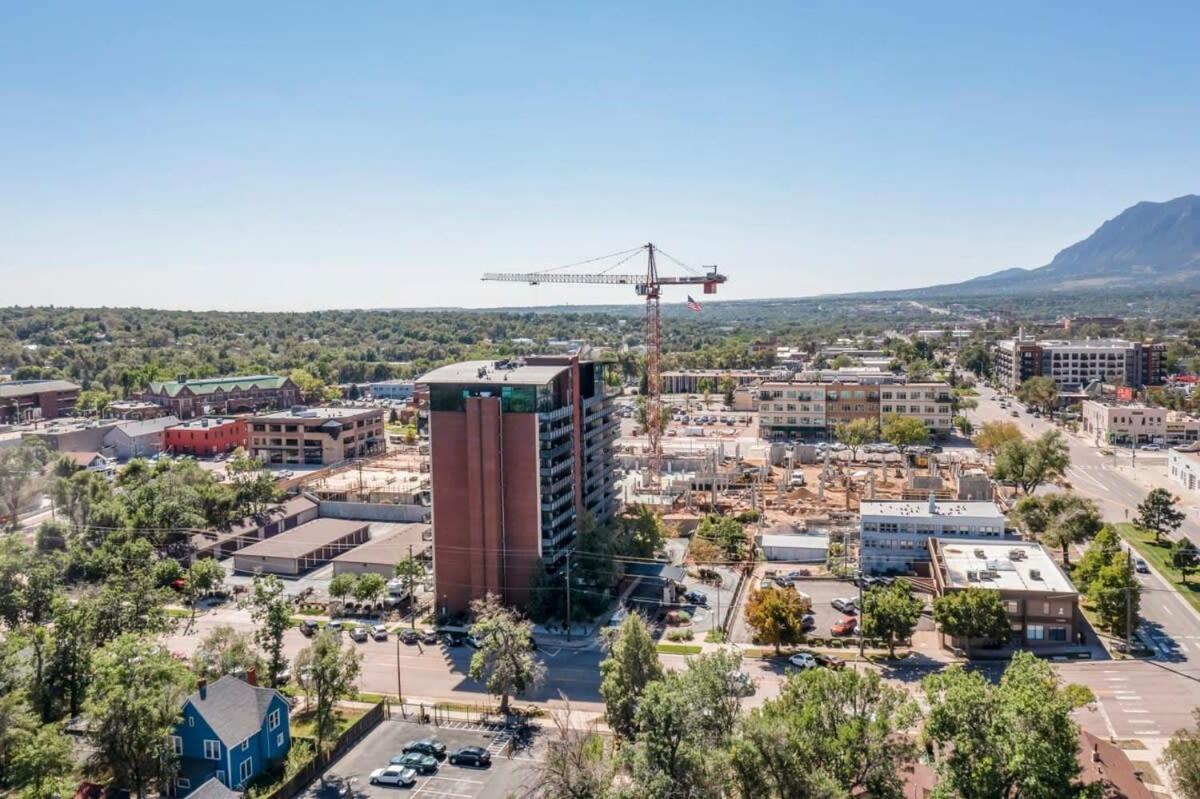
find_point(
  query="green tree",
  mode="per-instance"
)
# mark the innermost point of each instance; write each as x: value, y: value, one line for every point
x: 904, y: 431
x: 69, y: 667
x: 776, y: 615
x: 410, y: 569
x: 973, y: 613
x: 725, y: 532
x: 40, y: 763
x: 225, y: 651
x: 1157, y: 513
x: 1116, y: 596
x: 993, y: 435
x: 577, y: 763
x: 342, y: 586
x: 642, y: 533
x: 204, y: 576
x: 1185, y: 557
x: 504, y: 661
x: 1028, y: 464
x: 856, y: 433
x: 1182, y: 759
x: 976, y: 356
x: 717, y: 685
x: 828, y: 734
x: 19, y: 465
x: 631, y: 665
x: 728, y: 386
x: 890, y: 613
x: 963, y: 425
x: 670, y: 757
x: 133, y: 705
x: 369, y: 587
x: 328, y: 670
x: 1058, y: 520
x: 1038, y: 392
x: 1104, y: 549
x: 1016, y: 739
x: 272, y: 614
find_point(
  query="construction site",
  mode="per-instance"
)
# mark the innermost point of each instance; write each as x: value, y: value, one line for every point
x: 399, y: 477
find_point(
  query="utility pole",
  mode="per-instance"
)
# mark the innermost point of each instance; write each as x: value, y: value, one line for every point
x: 568, y: 596
x: 412, y: 597
x: 720, y: 626
x: 862, y: 610
x: 399, y: 690
x: 1128, y: 604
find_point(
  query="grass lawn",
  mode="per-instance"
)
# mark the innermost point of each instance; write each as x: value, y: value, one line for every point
x: 303, y: 724
x: 679, y: 649
x: 1159, y: 556
x: 177, y: 613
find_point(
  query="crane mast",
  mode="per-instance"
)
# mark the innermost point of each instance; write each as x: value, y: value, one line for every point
x: 648, y: 285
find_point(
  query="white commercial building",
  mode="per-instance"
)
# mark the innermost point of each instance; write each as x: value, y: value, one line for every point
x: 1137, y: 424
x: 894, y: 535
x: 794, y: 548
x: 931, y: 403
x: 1183, y: 466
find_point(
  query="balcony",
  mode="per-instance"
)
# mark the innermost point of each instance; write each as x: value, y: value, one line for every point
x: 548, y: 454
x: 556, y: 415
x: 555, y: 432
x: 557, y: 521
x: 554, y: 469
x: 554, y: 502
x: 557, y: 485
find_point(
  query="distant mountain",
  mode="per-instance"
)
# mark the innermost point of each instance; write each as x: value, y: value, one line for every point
x: 1151, y: 245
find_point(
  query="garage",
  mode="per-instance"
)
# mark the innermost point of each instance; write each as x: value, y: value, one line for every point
x: 794, y: 548
x: 302, y: 548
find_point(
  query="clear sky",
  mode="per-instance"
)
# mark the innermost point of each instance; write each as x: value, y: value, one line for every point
x: 273, y: 156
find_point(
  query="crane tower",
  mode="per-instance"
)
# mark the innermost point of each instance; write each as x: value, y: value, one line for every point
x: 648, y: 285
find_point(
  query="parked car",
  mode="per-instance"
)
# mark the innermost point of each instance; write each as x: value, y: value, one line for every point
x: 379, y: 632
x: 470, y: 756
x: 830, y: 662
x: 426, y: 746
x: 803, y: 660
x: 394, y: 775
x: 845, y: 604
x: 309, y: 627
x: 844, y: 627
x: 1140, y: 566
x: 429, y: 637
x: 409, y: 636
x: 696, y: 597
x: 808, y: 622
x: 422, y: 764
x: 1014, y: 414
x: 1151, y: 447
x: 334, y: 626
x: 359, y: 634
x: 797, y: 480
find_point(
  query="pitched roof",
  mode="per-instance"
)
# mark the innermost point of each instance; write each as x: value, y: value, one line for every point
x: 233, y: 708
x: 210, y: 385
x: 20, y: 388
x: 147, y: 427
x: 82, y: 459
x: 213, y: 788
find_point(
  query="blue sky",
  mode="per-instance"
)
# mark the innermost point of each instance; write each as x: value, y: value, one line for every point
x: 274, y: 156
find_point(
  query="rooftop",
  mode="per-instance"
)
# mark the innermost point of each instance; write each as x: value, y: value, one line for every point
x: 391, y: 547
x: 233, y: 708
x: 213, y: 384
x: 205, y: 423
x: 476, y: 372
x: 300, y: 541
x: 147, y: 427
x: 318, y: 413
x: 1008, y: 566
x: 925, y: 509
x: 19, y: 388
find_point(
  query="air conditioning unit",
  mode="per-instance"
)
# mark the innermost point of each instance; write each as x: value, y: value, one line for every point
x: 1016, y: 554
x: 979, y: 553
x: 1035, y: 574
x: 972, y: 576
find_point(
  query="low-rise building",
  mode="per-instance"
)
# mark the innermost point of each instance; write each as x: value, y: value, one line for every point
x: 319, y: 436
x: 137, y: 439
x: 134, y: 410
x: 289, y: 514
x: 1136, y: 423
x: 1041, y: 602
x: 27, y: 400
x: 206, y: 436
x: 303, y: 548
x: 930, y: 403
x: 222, y: 395
x: 391, y: 389
x: 894, y: 535
x: 1183, y: 467
x: 791, y: 410
x: 688, y: 381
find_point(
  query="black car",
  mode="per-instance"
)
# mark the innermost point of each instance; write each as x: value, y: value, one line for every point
x: 409, y: 636
x: 426, y: 746
x: 697, y: 598
x: 309, y: 627
x: 470, y: 756
x: 450, y: 639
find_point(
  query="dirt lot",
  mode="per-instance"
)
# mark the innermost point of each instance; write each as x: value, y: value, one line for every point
x: 504, y: 777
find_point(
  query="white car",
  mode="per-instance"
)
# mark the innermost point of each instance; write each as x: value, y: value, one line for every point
x: 803, y: 660
x: 394, y: 775
x: 844, y: 604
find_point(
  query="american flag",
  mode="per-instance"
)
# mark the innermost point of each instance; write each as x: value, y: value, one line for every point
x: 693, y: 305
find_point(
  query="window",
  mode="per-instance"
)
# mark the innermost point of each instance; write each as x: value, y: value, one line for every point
x: 245, y: 744
x: 191, y: 721
x: 273, y: 720
x: 1035, y: 632
x: 183, y: 782
x: 176, y: 745
x: 1058, y: 633
x: 212, y: 750
x: 244, y: 770
x: 279, y: 741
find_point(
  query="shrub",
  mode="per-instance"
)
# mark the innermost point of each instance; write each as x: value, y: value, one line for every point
x: 680, y: 635
x: 678, y: 617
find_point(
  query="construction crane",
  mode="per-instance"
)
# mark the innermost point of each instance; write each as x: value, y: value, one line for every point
x: 648, y: 285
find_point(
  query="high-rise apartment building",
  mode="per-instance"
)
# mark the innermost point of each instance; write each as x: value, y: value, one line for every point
x: 1075, y: 364
x: 519, y: 450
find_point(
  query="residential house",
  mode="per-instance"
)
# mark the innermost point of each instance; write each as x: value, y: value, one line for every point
x: 232, y: 731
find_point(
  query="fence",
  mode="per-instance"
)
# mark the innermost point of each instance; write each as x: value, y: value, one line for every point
x: 296, y: 784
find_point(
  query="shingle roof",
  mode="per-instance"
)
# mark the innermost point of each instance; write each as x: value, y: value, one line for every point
x: 233, y: 708
x: 147, y: 427
x: 209, y: 386
x: 213, y: 788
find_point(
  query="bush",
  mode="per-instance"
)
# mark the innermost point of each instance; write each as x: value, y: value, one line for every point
x: 814, y: 641
x: 836, y: 643
x: 680, y: 635
x: 679, y: 617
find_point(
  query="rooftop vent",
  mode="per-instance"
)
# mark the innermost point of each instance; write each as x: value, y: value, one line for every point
x: 1016, y: 554
x: 1035, y: 574
x: 979, y: 553
x: 972, y: 576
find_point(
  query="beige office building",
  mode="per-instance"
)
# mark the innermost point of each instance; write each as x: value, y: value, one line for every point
x: 931, y: 403
x: 318, y: 436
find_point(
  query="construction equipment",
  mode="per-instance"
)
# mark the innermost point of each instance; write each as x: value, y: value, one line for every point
x: 648, y: 285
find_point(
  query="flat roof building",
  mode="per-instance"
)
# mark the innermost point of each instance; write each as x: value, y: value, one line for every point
x: 289, y: 514
x: 518, y: 450
x: 380, y: 555
x: 1041, y: 601
x: 1074, y: 364
x: 320, y: 436
x: 895, y: 533
x: 303, y: 548
x: 206, y: 436
x: 1183, y: 467
x: 27, y: 400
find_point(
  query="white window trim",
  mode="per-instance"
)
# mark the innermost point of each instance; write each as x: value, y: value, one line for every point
x: 273, y: 720
x: 279, y: 740
x: 245, y: 745
x: 176, y: 744
x: 217, y: 750
x: 244, y: 770
x: 183, y: 782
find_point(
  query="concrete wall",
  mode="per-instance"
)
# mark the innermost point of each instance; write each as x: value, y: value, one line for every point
x: 374, y: 512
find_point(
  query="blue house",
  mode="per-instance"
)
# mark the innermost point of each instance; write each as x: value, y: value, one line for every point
x: 231, y: 731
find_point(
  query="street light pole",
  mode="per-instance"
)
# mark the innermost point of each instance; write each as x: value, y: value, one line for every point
x: 399, y: 690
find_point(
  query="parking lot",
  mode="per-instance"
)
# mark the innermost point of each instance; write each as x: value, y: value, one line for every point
x: 506, y: 776
x: 823, y: 592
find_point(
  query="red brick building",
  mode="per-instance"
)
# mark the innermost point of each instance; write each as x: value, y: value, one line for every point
x: 206, y: 436
x: 25, y: 400
x: 518, y: 449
